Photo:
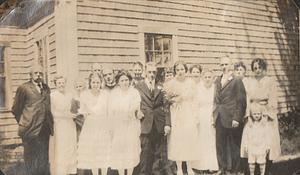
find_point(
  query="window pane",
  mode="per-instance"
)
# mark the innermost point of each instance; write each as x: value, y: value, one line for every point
x: 2, y: 91
x: 148, y: 42
x: 158, y: 43
x: 166, y: 58
x: 2, y: 69
x: 149, y: 56
x: 158, y: 58
x: 167, y: 44
x: 2, y: 53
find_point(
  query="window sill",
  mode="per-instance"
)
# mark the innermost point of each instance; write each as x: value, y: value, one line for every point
x: 4, y: 110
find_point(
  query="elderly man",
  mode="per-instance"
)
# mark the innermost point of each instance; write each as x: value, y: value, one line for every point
x: 154, y: 127
x: 230, y: 106
x: 31, y: 109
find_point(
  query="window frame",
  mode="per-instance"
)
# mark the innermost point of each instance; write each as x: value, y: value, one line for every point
x: 8, y: 89
x: 159, y: 29
x: 163, y: 52
x: 43, y: 42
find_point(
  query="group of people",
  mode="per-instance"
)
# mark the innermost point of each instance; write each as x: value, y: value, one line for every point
x: 189, y: 122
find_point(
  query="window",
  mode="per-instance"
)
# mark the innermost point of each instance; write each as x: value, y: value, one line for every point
x: 158, y: 49
x: 2, y: 78
x: 41, y: 46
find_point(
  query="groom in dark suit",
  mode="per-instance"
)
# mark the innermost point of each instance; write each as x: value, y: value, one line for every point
x: 31, y: 109
x: 154, y: 126
x: 230, y: 106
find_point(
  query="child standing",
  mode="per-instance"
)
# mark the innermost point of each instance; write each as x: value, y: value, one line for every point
x: 255, y: 140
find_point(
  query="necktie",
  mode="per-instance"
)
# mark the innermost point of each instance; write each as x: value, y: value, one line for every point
x: 151, y: 88
x: 41, y: 87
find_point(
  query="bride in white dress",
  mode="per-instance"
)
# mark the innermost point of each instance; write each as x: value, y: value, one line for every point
x: 124, y: 109
x: 182, y: 141
x: 94, y: 140
x: 207, y: 134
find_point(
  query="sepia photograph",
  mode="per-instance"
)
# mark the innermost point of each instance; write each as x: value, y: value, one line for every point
x: 149, y: 87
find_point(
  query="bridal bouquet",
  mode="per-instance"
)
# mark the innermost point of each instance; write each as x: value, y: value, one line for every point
x: 170, y: 98
x: 79, y: 118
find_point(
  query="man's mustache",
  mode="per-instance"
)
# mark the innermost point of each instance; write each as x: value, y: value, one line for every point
x: 38, y: 80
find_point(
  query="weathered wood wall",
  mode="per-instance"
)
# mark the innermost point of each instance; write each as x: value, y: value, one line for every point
x: 22, y: 51
x: 109, y: 33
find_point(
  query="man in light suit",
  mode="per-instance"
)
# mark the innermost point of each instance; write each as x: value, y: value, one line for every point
x: 31, y: 109
x: 155, y: 125
x: 230, y: 106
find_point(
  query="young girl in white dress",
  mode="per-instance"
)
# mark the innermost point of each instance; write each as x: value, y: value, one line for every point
x: 255, y: 140
x: 182, y: 141
x: 207, y: 133
x: 94, y: 140
x: 124, y: 111
x: 63, y: 144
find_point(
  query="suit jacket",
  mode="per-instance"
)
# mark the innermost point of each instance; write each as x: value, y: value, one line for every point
x: 32, y: 110
x: 230, y: 101
x: 152, y: 106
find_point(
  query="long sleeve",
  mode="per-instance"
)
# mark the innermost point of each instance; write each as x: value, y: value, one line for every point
x: 19, y: 103
x: 55, y: 111
x: 241, y: 101
x: 136, y: 103
x: 272, y: 101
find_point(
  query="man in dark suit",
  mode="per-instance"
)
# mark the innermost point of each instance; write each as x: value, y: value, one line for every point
x: 31, y: 109
x: 230, y: 107
x: 154, y: 126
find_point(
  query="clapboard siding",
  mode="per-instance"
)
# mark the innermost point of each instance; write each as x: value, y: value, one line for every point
x: 108, y: 33
x: 106, y: 8
x: 22, y: 54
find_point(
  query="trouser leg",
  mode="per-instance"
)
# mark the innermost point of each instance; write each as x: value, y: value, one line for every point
x: 221, y: 145
x: 235, y: 145
x: 36, y: 154
x: 146, y: 157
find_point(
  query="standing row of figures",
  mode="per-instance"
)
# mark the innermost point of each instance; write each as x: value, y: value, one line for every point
x: 137, y: 126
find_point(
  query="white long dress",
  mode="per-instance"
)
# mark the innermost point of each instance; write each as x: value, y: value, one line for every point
x: 94, y: 140
x: 264, y: 92
x: 63, y: 144
x: 182, y: 141
x: 207, y: 132
x: 126, y: 128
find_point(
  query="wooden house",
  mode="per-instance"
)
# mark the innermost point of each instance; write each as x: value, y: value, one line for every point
x: 70, y: 35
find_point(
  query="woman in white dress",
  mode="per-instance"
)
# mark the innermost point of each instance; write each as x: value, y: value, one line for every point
x: 182, y: 142
x: 63, y: 144
x: 207, y: 133
x: 262, y: 90
x: 94, y: 140
x: 124, y: 111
